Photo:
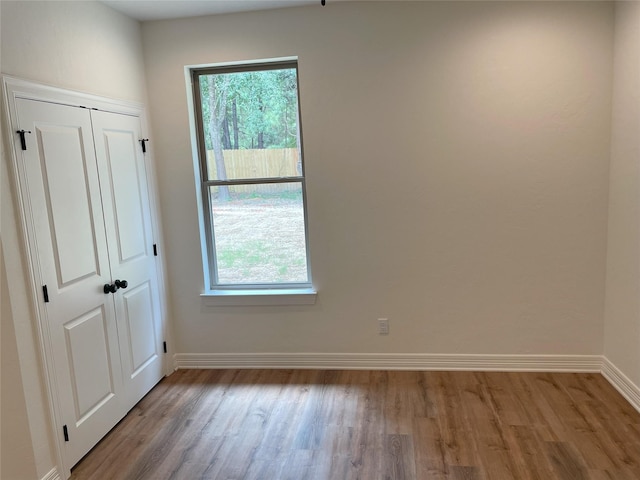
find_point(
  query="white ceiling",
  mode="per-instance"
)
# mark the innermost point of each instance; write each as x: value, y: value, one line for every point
x: 144, y: 10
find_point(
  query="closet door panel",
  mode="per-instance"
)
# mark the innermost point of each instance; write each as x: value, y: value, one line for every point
x: 130, y: 237
x: 69, y: 239
x: 126, y: 195
x: 138, y: 308
x: 67, y: 191
x: 88, y: 347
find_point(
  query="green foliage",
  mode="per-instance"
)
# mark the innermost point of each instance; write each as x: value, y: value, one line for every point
x: 260, y: 108
x: 270, y: 198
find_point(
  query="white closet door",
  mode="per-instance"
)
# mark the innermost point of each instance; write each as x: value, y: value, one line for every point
x: 64, y: 200
x: 127, y: 216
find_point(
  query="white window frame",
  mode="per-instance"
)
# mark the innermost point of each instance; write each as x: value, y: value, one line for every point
x: 216, y: 294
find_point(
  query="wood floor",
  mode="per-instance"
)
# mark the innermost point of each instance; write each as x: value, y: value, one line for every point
x: 370, y: 425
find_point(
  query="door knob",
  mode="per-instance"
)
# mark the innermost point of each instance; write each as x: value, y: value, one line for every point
x: 121, y: 283
x: 110, y: 288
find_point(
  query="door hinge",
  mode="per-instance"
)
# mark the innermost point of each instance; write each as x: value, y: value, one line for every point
x: 45, y: 292
x: 23, y: 140
x: 144, y: 141
x: 164, y: 346
x: 155, y: 250
x: 65, y: 432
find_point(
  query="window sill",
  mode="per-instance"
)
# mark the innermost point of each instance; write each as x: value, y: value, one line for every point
x: 289, y: 296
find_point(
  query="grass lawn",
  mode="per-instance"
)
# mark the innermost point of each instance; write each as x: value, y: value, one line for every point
x: 260, y: 239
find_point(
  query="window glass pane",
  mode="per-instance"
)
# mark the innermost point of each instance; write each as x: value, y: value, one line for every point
x: 259, y: 233
x: 250, y: 124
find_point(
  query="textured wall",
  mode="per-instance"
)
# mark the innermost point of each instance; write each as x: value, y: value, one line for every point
x: 16, y: 449
x: 81, y: 45
x: 457, y: 173
x: 622, y: 315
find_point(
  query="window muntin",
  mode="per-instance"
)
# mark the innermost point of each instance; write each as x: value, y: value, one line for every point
x: 251, y: 164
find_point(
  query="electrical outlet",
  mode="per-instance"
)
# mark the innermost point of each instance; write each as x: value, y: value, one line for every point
x: 383, y: 326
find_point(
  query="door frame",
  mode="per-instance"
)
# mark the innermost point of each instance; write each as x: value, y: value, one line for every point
x: 12, y: 89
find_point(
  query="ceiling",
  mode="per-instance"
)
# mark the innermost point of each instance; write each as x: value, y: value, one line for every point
x: 144, y: 10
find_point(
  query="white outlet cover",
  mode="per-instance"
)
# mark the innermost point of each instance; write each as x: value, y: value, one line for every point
x: 383, y: 326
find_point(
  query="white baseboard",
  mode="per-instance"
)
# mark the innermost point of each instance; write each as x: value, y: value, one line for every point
x: 372, y: 361
x: 52, y: 475
x: 622, y: 383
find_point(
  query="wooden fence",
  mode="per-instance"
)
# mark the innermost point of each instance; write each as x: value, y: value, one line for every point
x: 258, y: 163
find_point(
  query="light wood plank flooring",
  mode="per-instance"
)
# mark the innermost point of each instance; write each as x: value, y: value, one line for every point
x: 370, y: 425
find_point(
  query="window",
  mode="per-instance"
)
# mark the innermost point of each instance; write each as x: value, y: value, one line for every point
x: 251, y: 165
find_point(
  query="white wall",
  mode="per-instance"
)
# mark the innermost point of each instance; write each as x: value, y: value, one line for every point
x: 16, y: 448
x: 622, y: 314
x: 79, y: 45
x: 457, y: 163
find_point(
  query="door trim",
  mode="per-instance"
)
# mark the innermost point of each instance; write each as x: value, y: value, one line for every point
x: 14, y: 88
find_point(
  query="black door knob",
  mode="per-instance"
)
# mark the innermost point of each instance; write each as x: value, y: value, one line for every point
x: 110, y: 288
x: 122, y: 283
